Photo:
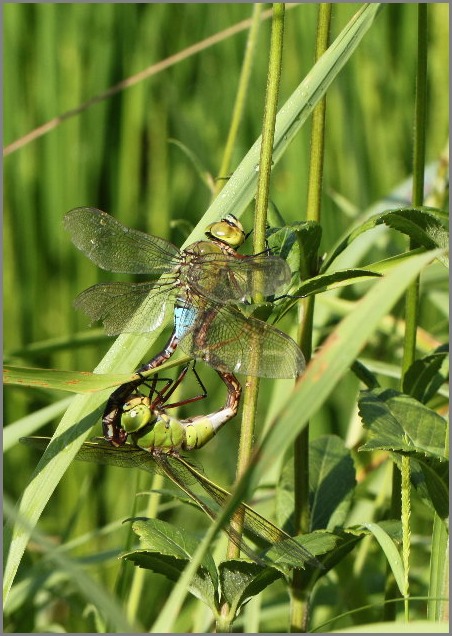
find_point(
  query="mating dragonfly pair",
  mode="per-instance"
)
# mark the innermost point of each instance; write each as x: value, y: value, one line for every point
x: 199, y: 287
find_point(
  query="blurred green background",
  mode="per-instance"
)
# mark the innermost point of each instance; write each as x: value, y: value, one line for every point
x: 117, y: 156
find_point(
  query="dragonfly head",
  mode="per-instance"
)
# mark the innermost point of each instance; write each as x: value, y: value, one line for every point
x: 136, y: 413
x: 229, y: 230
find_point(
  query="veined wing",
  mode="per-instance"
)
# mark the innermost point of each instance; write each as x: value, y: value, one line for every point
x: 226, y: 340
x: 102, y: 452
x: 116, y: 248
x: 182, y: 473
x: 226, y: 278
x: 256, y: 527
x: 128, y: 307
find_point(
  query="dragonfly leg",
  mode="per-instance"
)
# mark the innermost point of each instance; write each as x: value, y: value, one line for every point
x: 165, y: 396
x: 111, y: 420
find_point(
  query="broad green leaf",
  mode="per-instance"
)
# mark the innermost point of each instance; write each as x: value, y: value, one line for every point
x: 336, y: 547
x: 398, y: 422
x: 240, y: 581
x: 331, y: 481
x: 423, y: 379
x: 318, y: 542
x: 424, y: 225
x: 166, y: 550
x: 309, y: 235
x: 298, y: 244
x: 391, y: 552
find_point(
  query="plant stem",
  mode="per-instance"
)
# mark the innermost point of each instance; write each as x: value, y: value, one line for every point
x: 299, y: 608
x: 139, y: 573
x: 412, y: 295
x: 318, y: 124
x: 240, y: 99
x: 265, y: 166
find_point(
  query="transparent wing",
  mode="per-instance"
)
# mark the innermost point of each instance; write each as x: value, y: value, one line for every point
x: 127, y: 307
x: 256, y: 527
x: 227, y: 278
x: 116, y: 248
x: 226, y: 340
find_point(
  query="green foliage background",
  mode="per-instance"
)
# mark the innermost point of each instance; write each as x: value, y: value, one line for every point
x: 116, y: 156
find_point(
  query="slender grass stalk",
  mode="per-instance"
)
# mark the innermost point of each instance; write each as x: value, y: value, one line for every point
x: 299, y: 610
x: 263, y: 185
x: 412, y: 295
x: 89, y: 588
x: 240, y: 100
x: 131, y: 81
x: 265, y: 166
x: 139, y: 574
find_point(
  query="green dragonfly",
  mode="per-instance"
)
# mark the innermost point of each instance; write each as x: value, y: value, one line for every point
x: 197, y: 286
x: 146, y: 421
x: 284, y: 549
x: 156, y: 441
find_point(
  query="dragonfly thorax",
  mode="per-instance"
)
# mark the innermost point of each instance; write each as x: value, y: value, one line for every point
x: 203, y: 248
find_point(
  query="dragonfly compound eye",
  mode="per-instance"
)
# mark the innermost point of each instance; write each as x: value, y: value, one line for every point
x: 136, y: 414
x: 229, y: 230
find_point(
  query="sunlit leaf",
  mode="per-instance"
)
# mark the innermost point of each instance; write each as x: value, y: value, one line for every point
x: 166, y: 550
x: 398, y: 422
x: 74, y: 381
x: 423, y: 379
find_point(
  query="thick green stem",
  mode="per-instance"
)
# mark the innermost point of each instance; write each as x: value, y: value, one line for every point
x: 268, y: 128
x: 252, y: 384
x: 299, y: 607
x: 265, y: 166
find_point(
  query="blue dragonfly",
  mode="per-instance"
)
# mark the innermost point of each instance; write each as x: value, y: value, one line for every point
x: 198, y: 286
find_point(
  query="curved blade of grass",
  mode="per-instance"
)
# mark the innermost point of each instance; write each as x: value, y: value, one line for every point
x: 422, y: 224
x: 32, y: 423
x: 128, y: 349
x: 73, y: 381
x: 391, y: 552
x: 89, y: 588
